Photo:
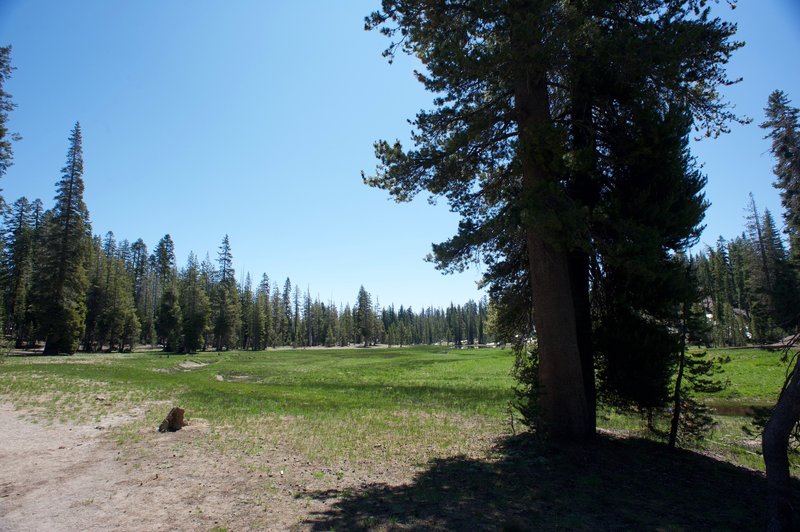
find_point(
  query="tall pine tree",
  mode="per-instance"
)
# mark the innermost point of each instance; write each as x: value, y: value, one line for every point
x: 537, y: 106
x: 227, y: 306
x: 6, y: 106
x: 61, y: 270
x: 783, y: 127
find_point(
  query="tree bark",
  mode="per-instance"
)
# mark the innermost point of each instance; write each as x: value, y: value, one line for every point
x: 676, y: 402
x: 563, y: 406
x: 775, y: 445
x: 579, y: 283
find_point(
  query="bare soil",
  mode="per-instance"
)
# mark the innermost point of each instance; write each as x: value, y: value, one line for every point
x: 64, y: 477
x: 77, y: 477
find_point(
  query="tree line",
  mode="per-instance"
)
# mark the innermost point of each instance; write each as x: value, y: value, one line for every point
x: 749, y: 284
x: 74, y: 290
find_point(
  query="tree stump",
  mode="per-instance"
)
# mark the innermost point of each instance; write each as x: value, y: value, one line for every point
x: 174, y: 421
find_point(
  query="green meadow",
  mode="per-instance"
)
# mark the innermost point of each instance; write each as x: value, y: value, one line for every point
x: 328, y: 404
x: 435, y: 421
x: 413, y: 404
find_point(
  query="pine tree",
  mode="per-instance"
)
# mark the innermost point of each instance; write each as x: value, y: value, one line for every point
x: 6, y: 106
x: 117, y: 322
x: 195, y: 307
x: 309, y: 319
x: 761, y: 277
x: 139, y: 270
x: 785, y: 292
x: 61, y: 273
x: 346, y: 333
x: 277, y: 317
x: 695, y: 372
x: 227, y: 313
x: 165, y: 259
x: 783, y: 128
x: 531, y: 98
x: 208, y: 276
x: 170, y: 318
x: 247, y: 334
x: 168, y: 321
x: 19, y: 254
x: 363, y: 317
x: 296, y: 321
x: 265, y: 308
x: 258, y: 321
x: 286, y: 326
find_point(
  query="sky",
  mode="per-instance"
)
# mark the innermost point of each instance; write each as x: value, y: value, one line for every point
x: 255, y: 119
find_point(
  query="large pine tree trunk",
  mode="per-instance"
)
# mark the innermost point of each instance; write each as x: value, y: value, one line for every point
x: 564, y: 409
x: 775, y: 445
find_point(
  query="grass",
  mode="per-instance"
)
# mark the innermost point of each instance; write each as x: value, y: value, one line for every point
x: 404, y: 404
x: 411, y: 404
x: 438, y: 414
x: 756, y: 376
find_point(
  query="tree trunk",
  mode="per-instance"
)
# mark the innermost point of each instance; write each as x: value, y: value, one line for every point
x: 676, y: 402
x: 50, y: 347
x: 564, y: 409
x: 774, y: 445
x: 579, y: 283
x: 676, y: 396
x: 563, y: 406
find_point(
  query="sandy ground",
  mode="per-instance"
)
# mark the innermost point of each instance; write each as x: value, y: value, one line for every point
x: 65, y: 477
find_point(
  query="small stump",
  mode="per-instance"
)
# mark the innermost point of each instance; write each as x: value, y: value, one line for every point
x: 174, y: 421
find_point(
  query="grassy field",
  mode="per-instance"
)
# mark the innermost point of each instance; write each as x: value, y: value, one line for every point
x: 754, y: 378
x: 413, y: 403
x: 442, y: 413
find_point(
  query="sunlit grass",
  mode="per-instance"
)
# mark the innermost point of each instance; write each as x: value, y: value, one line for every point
x: 405, y: 405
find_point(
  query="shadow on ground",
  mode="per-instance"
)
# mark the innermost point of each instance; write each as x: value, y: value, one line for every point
x: 614, y: 484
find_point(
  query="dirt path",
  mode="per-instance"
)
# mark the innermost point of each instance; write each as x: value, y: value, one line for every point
x: 65, y: 477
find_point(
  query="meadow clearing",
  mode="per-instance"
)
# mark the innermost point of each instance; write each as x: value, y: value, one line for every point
x: 400, y: 438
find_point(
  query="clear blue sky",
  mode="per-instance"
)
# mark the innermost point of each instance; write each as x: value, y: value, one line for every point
x: 255, y: 118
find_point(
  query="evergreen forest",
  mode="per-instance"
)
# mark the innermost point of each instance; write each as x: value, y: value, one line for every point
x: 71, y: 290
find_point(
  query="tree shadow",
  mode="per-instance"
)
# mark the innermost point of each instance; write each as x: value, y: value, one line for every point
x: 612, y: 484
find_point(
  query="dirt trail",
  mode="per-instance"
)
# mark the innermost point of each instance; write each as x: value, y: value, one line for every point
x: 66, y: 477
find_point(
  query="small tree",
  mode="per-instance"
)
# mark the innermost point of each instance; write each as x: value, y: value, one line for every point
x: 691, y: 419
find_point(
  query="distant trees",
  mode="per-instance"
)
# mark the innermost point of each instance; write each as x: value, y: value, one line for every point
x: 195, y: 306
x: 22, y: 236
x: 111, y: 317
x: 749, y: 285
